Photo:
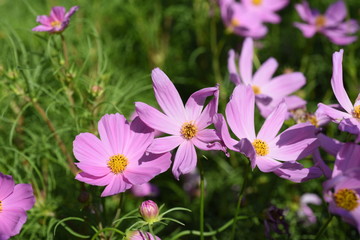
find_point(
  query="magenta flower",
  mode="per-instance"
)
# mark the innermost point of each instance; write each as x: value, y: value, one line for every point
x: 342, y: 191
x: 349, y: 119
x: 187, y: 125
x: 265, y: 9
x: 58, y: 20
x: 265, y: 149
x: 239, y: 20
x: 117, y: 160
x: 269, y: 91
x: 15, y: 200
x: 145, y: 190
x: 331, y: 24
x: 305, y: 211
x: 140, y: 235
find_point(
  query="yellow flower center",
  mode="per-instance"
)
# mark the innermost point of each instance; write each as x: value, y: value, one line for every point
x: 346, y: 198
x: 0, y: 206
x: 55, y: 24
x: 320, y: 21
x: 256, y: 89
x: 257, y: 2
x: 235, y: 22
x: 188, y: 130
x: 117, y: 163
x: 356, y: 112
x: 261, y: 147
x: 313, y: 120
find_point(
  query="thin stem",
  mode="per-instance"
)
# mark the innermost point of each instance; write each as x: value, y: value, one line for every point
x: 240, y: 200
x: 211, y: 233
x: 65, y: 51
x: 152, y: 231
x: 323, y: 228
x: 202, y: 192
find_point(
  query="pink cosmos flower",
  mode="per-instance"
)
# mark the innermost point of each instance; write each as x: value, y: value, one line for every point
x: 56, y: 22
x: 265, y: 9
x: 144, y: 190
x: 238, y: 19
x: 187, y: 125
x: 140, y: 235
x: 15, y: 200
x: 117, y: 160
x: 342, y: 191
x: 331, y: 24
x: 305, y: 211
x: 349, y: 119
x: 269, y: 91
x: 266, y: 149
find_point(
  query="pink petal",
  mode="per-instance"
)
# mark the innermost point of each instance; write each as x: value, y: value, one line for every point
x: 330, y: 145
x: 335, y: 115
x: 337, y: 82
x: 267, y: 164
x: 157, y: 120
x: 94, y: 180
x: 22, y: 197
x: 6, y: 186
x: 223, y: 132
x: 44, y: 20
x: 165, y: 144
x: 206, y: 117
x: 351, y: 125
x: 347, y: 158
x: 294, y: 102
x: 240, y: 112
x: 71, y: 12
x: 319, y: 162
x: 304, y: 11
x: 294, y: 151
x: 265, y: 72
x: 90, y: 150
x: 144, y: 190
x: 11, y: 220
x: 246, y: 61
x: 231, y: 62
x: 245, y: 147
x: 185, y: 159
x: 117, y: 185
x: 42, y: 28
x: 296, y: 172
x: 206, y: 146
x: 167, y: 96
x: 147, y: 168
x: 284, y: 85
x: 93, y: 169
x: 307, y: 30
x: 58, y: 13
x: 196, y: 102
x: 336, y: 11
x: 207, y: 135
x: 273, y: 123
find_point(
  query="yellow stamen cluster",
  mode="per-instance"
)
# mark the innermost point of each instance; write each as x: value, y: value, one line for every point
x: 356, y: 112
x: 188, y: 130
x: 117, y: 163
x: 261, y: 147
x: 256, y: 89
x: 313, y: 120
x: 235, y: 22
x: 257, y: 2
x: 320, y: 21
x: 0, y: 206
x: 55, y: 24
x: 346, y: 199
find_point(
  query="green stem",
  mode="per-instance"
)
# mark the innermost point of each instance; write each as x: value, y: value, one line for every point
x: 323, y: 228
x: 211, y: 233
x: 240, y: 200
x: 65, y: 52
x: 202, y: 192
x: 107, y: 229
x: 152, y: 231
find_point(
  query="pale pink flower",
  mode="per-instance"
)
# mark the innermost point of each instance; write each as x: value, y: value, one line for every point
x: 265, y: 9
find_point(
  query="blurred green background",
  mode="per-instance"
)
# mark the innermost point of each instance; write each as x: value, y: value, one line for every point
x: 113, y: 46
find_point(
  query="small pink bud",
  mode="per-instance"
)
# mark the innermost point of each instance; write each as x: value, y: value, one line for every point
x: 149, y: 211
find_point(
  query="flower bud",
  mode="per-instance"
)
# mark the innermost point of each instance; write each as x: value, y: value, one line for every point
x: 149, y: 211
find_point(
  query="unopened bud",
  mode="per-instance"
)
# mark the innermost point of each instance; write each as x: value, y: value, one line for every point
x: 149, y: 211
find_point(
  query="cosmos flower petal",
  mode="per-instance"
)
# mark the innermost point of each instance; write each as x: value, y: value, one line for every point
x: 88, y: 148
x: 223, y: 132
x: 44, y: 20
x: 206, y: 116
x: 42, y: 28
x: 11, y: 220
x: 240, y: 112
x: 330, y: 145
x: 336, y: 11
x: 167, y: 96
x: 157, y: 120
x: 234, y: 77
x: 58, y: 13
x: 307, y: 30
x: 319, y: 162
x: 21, y: 197
x: 351, y: 125
x: 116, y: 185
x: 273, y: 123
x: 304, y: 11
x: 207, y: 146
x: 296, y: 172
x: 337, y: 82
x: 6, y: 186
x: 265, y: 72
x: 267, y: 164
x: 246, y: 60
x: 185, y: 159
x: 71, y: 12
x: 284, y: 84
x: 207, y: 135
x: 295, y: 151
x: 245, y: 147
x: 347, y: 158
x: 94, y: 180
x: 196, y: 102
x: 334, y: 114
x: 165, y: 144
x: 95, y: 170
